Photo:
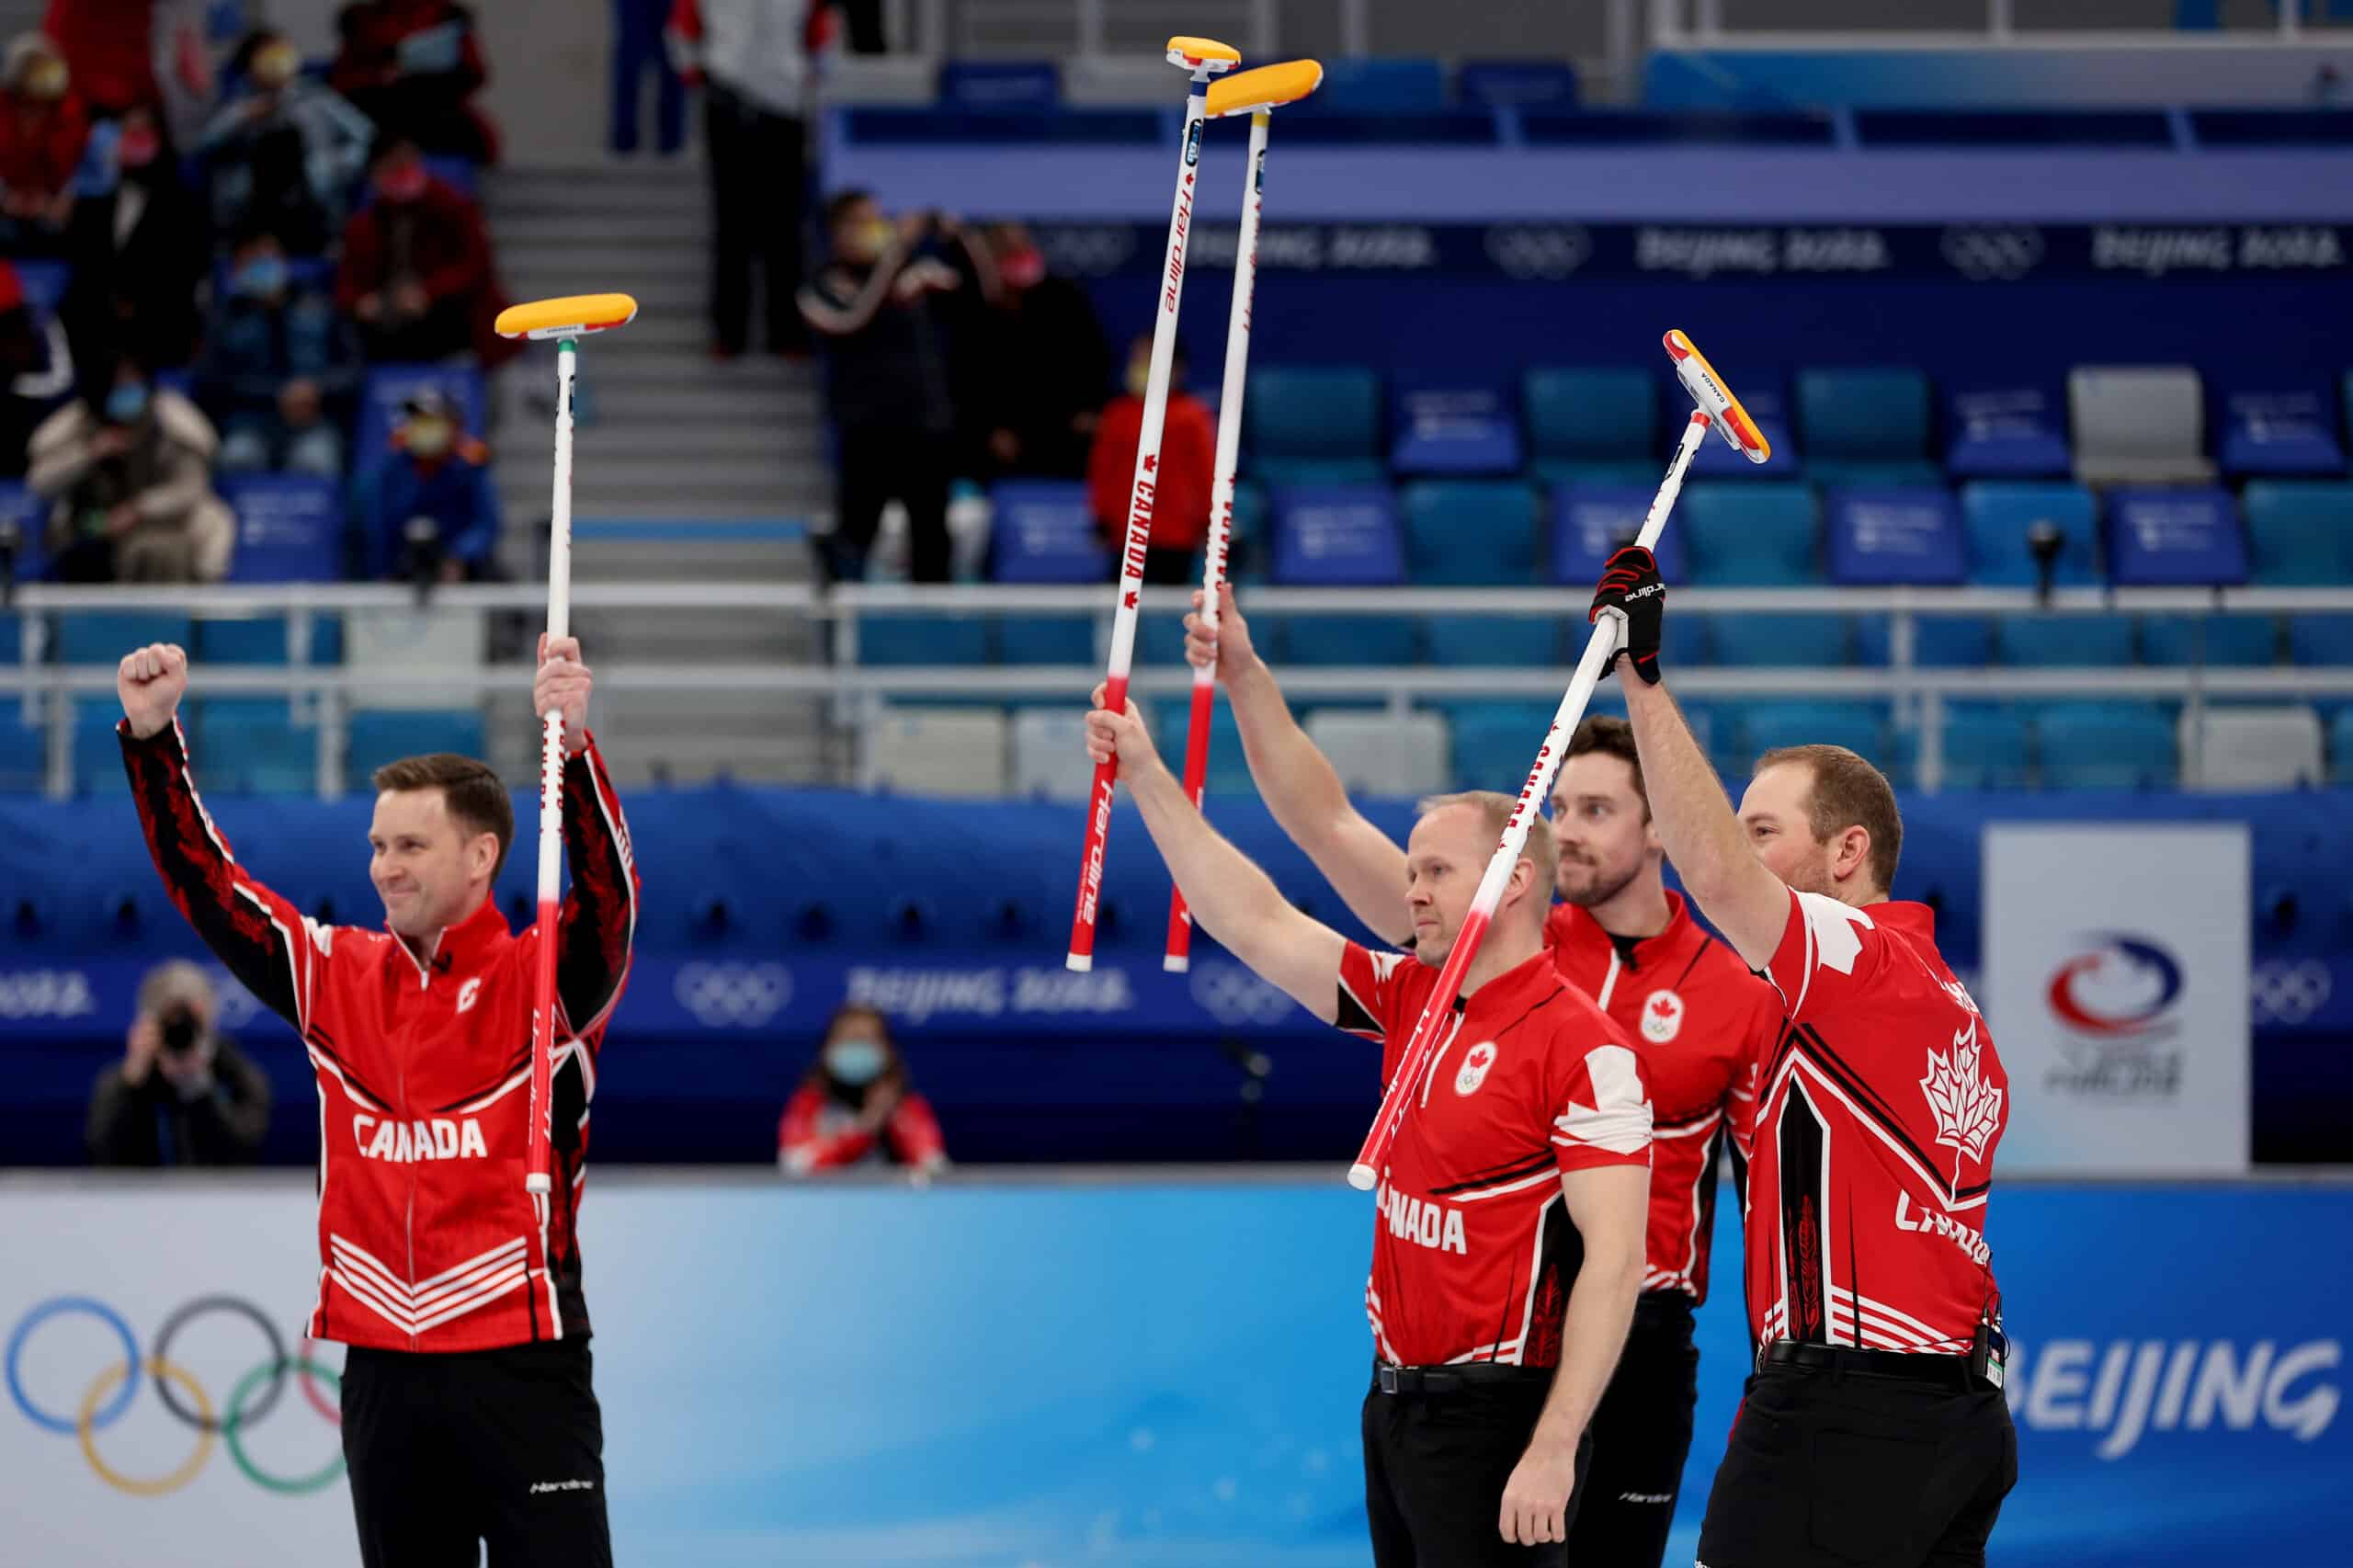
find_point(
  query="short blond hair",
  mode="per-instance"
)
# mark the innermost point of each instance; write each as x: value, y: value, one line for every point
x: 1494, y: 808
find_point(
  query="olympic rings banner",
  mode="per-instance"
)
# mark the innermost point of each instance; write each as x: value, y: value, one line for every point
x: 1119, y: 1368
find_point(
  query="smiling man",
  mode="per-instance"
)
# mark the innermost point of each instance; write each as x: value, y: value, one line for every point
x: 468, y: 1413
x: 1507, y: 1240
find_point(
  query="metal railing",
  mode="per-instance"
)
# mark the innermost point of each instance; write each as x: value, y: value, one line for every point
x: 44, y: 691
x: 1676, y: 24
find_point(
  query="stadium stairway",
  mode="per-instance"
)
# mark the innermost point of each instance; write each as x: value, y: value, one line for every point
x: 686, y: 468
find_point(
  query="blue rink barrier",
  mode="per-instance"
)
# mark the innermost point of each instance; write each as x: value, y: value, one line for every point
x: 1170, y: 1374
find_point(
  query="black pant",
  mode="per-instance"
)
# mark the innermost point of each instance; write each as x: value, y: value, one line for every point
x: 758, y: 188
x: 449, y: 1451
x: 1436, y: 1465
x: 1642, y: 1431
x: 1831, y: 1469
x: 876, y: 466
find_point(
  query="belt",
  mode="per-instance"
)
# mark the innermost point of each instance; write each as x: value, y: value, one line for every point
x: 1452, y: 1380
x: 1946, y: 1371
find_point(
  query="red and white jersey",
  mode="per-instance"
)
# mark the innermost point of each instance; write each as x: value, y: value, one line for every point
x: 1703, y: 1025
x: 818, y: 1132
x: 1876, y: 1125
x: 1473, y: 1248
x: 427, y: 1239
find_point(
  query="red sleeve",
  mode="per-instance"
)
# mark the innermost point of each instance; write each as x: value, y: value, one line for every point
x: 1371, y: 1002
x: 1761, y: 1039
x: 362, y: 270
x: 802, y: 1148
x: 1604, y: 1117
x: 914, y: 1134
x: 469, y: 268
x: 1111, y: 466
x: 1829, y: 951
x: 1192, y: 463
x: 67, y: 137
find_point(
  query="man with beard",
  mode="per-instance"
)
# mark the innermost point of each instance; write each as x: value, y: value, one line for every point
x: 1700, y: 1020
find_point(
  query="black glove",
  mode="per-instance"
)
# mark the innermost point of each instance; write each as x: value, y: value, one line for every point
x: 1631, y: 585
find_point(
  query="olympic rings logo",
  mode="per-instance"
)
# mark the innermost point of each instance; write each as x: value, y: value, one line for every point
x: 110, y: 1393
x: 1234, y: 996
x: 732, y: 996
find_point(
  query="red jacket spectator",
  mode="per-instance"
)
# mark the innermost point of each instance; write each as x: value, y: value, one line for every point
x: 43, y: 128
x: 1180, y: 506
x: 111, y: 44
x: 411, y: 66
x: 417, y: 272
x: 854, y: 1105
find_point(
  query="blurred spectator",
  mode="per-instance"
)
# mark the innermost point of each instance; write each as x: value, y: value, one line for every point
x: 278, y: 357
x: 1041, y: 366
x: 427, y: 510
x: 141, y: 251
x: 1187, y: 471
x: 638, y: 49
x: 856, y: 1105
x: 879, y: 306
x: 412, y: 66
x: 36, y: 371
x: 183, y: 1094
x: 130, y: 486
x: 111, y: 46
x: 282, y: 152
x: 416, y: 272
x: 751, y: 60
x: 43, y: 128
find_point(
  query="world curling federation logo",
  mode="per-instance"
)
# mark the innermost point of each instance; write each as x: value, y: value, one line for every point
x: 2114, y: 1003
x: 115, y: 1383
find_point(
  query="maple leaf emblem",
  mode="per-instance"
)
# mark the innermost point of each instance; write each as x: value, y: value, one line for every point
x: 1480, y: 1055
x: 1151, y: 462
x: 1968, y: 1109
x: 1663, y: 1006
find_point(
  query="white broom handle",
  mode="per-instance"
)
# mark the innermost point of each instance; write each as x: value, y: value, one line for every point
x: 1237, y: 377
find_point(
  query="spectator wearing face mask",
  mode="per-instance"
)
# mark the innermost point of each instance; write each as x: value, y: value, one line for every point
x: 43, y: 126
x: 128, y: 476
x: 36, y: 372
x: 416, y: 272
x: 1042, y: 366
x: 427, y: 511
x: 1180, y: 510
x: 282, y: 152
x: 278, y: 357
x: 140, y: 253
x: 413, y: 66
x: 111, y: 46
x: 856, y: 1105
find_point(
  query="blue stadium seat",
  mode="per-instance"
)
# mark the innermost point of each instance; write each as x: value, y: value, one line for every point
x: 30, y: 514
x: 2232, y: 640
x: 1517, y: 84
x: 24, y: 748
x: 249, y: 746
x: 2311, y: 640
x: 1329, y: 640
x: 389, y: 386
x: 1878, y: 415
x: 290, y: 528
x: 1055, y: 639
x: 2173, y: 537
x: 1861, y: 727
x: 1848, y: 474
x: 1469, y: 530
x: 103, y: 637
x: 1584, y: 415
x: 1761, y: 393
x: 1689, y: 641
x: 1757, y: 535
x: 1516, y: 640
x: 1591, y: 522
x: 265, y: 640
x: 1882, y: 537
x: 1379, y: 85
x: 383, y: 736
x: 1160, y: 635
x: 2279, y: 432
x: 2105, y: 745
x: 1492, y: 743
x: 1342, y: 536
x: 98, y: 754
x: 999, y: 83
x: 1767, y: 640
x: 1445, y: 428
x: 1986, y: 748
x: 2340, y: 747
x: 1229, y: 770
x: 1939, y: 642
x: 1324, y: 412
x: 903, y: 639
x: 1999, y: 516
x: 1044, y: 531
x: 2066, y: 640
x: 2299, y: 534
x: 1279, y: 472
x: 2007, y: 433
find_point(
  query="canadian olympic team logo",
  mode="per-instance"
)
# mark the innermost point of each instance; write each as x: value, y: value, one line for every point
x: 1475, y: 1064
x: 115, y: 1384
x: 2118, y: 987
x: 1662, y: 1016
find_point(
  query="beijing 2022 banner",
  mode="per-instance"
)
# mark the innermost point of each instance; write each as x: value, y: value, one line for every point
x: 1108, y: 1368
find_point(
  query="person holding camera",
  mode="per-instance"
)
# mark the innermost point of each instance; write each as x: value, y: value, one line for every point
x: 181, y: 1094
